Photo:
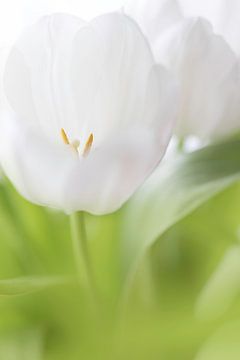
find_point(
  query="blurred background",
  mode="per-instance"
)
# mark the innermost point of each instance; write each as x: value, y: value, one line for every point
x: 185, y: 299
x: 185, y: 304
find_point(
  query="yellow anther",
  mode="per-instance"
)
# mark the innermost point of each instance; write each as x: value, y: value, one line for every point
x: 76, y: 144
x: 65, y: 137
x: 88, y: 145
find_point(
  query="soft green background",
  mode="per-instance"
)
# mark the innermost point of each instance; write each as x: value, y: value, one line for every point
x: 167, y: 267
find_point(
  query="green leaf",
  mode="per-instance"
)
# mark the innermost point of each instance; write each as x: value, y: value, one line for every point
x: 176, y: 189
x: 26, y: 285
x: 23, y: 344
x: 223, y: 287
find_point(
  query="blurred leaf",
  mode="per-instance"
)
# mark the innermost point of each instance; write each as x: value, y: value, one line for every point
x: 25, y: 345
x: 222, y: 288
x: 30, y: 236
x: 186, y: 256
x: 176, y: 189
x: 26, y: 285
x: 223, y: 344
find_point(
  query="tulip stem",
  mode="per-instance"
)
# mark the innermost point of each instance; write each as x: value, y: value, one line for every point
x: 81, y: 252
x: 181, y: 145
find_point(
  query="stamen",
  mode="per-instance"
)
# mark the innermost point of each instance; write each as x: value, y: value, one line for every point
x: 88, y: 145
x: 65, y: 137
x: 76, y: 143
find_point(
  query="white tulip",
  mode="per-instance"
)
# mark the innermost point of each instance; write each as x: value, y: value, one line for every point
x: 83, y: 129
x: 224, y: 15
x: 205, y: 65
x: 154, y: 16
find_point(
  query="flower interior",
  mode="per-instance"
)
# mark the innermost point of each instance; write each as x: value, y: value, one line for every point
x: 75, y: 145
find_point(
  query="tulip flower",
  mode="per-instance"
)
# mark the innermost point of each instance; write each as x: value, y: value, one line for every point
x: 82, y: 129
x: 203, y: 62
x: 223, y: 15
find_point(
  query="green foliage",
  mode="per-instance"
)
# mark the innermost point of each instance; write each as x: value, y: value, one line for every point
x: 184, y: 301
x: 175, y: 190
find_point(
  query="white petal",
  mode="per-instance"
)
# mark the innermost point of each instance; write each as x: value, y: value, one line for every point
x: 204, y: 8
x: 114, y: 86
x: 34, y: 165
x: 17, y: 86
x: 162, y: 102
x: 48, y: 174
x: 37, y: 73
x: 45, y: 173
x: 113, y: 173
x: 4, y: 54
x: 204, y: 64
x: 154, y: 16
x: 223, y: 14
x: 128, y: 158
x: 124, y: 161
x: 110, y: 69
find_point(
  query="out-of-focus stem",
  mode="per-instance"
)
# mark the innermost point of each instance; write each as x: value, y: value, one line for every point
x: 81, y: 253
x: 181, y: 145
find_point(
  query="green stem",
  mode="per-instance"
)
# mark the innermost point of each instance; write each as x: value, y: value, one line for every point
x: 181, y: 145
x: 81, y: 253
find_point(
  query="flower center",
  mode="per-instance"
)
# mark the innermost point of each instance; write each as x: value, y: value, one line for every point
x: 75, y: 145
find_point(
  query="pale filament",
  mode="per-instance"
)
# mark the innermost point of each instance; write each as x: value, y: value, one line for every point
x: 76, y: 143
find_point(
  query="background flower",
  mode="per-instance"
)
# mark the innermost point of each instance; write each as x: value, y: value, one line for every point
x: 223, y: 15
x: 204, y: 63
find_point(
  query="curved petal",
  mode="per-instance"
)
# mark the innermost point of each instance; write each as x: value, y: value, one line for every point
x: 4, y: 54
x: 157, y: 16
x: 128, y: 158
x: 17, y: 86
x: 206, y: 68
x: 162, y: 102
x: 37, y: 80
x: 211, y: 10
x: 35, y: 166
x: 121, y: 166
x: 223, y: 14
x: 154, y: 16
x: 48, y: 175
x: 110, y: 68
x: 114, y: 90
x: 65, y: 73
